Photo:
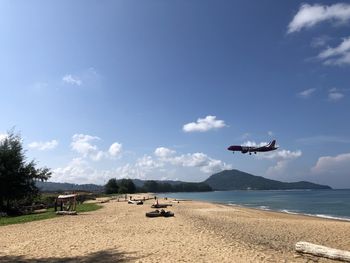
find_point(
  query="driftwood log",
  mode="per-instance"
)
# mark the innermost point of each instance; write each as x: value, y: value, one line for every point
x: 322, y: 251
x: 63, y: 213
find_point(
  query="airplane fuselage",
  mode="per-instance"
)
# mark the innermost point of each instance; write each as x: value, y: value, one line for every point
x: 253, y: 149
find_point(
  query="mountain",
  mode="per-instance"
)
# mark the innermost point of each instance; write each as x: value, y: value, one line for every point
x: 140, y: 183
x: 238, y: 180
x: 57, y: 187
x: 225, y: 180
x: 167, y: 185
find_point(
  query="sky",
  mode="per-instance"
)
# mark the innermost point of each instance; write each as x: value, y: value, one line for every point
x: 159, y: 89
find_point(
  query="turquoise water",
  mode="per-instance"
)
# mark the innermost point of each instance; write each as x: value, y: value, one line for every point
x: 322, y: 203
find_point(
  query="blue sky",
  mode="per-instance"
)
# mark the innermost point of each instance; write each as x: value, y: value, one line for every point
x: 105, y: 89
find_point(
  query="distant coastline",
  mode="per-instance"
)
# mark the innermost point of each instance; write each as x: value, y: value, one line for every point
x: 222, y: 181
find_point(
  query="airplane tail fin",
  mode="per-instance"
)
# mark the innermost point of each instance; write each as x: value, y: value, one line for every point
x: 272, y: 144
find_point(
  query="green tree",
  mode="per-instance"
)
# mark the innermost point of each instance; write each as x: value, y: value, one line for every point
x: 126, y: 186
x: 17, y: 176
x: 112, y: 186
x: 151, y: 186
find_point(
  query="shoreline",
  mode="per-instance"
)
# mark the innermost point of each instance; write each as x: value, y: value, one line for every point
x: 199, y: 232
x: 262, y: 207
x: 285, y: 211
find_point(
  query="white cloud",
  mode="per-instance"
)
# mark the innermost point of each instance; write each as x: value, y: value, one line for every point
x: 42, y: 146
x: 339, y: 55
x: 3, y: 136
x: 332, y: 164
x: 254, y: 144
x: 79, y: 171
x: 281, y: 154
x: 163, y: 152
x: 130, y: 171
x: 306, y: 93
x: 202, y: 161
x: 191, y: 160
x: 214, y: 166
x: 203, y: 125
x: 310, y: 15
x: 98, y: 155
x: 282, y: 158
x: 70, y: 79
x: 147, y: 163
x: 165, y: 160
x: 320, y: 41
x: 164, y: 163
x: 82, y: 144
x: 335, y: 95
x: 115, y: 149
x: 279, y: 168
x: 337, y: 167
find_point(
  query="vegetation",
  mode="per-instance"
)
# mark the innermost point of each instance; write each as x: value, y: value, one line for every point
x: 62, y: 187
x: 158, y: 187
x: 17, y: 177
x: 122, y: 186
x: 50, y: 213
x: 112, y: 186
x: 237, y: 180
x: 82, y: 208
x: 126, y: 186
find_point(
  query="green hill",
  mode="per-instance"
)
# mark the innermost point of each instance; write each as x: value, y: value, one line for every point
x: 238, y: 180
x: 61, y: 187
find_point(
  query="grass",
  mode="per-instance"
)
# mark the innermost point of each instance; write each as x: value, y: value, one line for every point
x: 87, y: 207
x: 81, y: 208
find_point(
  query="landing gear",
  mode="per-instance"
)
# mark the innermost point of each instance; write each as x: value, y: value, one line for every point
x: 250, y: 153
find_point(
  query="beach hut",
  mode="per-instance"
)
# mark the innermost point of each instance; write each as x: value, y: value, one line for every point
x: 67, y: 204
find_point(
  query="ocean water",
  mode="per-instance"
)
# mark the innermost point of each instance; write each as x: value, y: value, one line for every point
x: 321, y: 203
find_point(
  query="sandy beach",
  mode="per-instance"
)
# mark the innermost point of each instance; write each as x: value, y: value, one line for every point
x: 199, y: 232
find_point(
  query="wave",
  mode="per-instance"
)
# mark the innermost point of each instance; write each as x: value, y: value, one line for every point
x: 314, y: 215
x: 330, y: 217
x: 267, y: 208
x: 289, y: 212
x: 264, y: 207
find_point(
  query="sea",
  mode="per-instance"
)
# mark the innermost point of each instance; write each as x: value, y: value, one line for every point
x: 333, y: 204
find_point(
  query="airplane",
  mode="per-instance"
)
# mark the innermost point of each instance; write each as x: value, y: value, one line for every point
x: 245, y: 149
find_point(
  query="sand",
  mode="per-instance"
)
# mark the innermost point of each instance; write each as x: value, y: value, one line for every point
x: 199, y: 232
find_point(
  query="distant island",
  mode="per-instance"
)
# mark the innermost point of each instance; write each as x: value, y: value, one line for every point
x: 222, y: 181
x: 238, y: 180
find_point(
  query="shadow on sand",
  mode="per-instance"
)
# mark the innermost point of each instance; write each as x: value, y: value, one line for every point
x: 107, y: 256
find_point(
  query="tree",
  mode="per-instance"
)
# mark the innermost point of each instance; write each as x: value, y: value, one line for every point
x: 126, y: 186
x: 17, y: 177
x: 151, y: 186
x: 112, y: 186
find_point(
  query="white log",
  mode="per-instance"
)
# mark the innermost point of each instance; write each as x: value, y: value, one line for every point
x: 322, y: 251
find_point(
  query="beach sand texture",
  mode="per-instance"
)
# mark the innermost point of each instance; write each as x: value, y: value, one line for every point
x: 199, y: 232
